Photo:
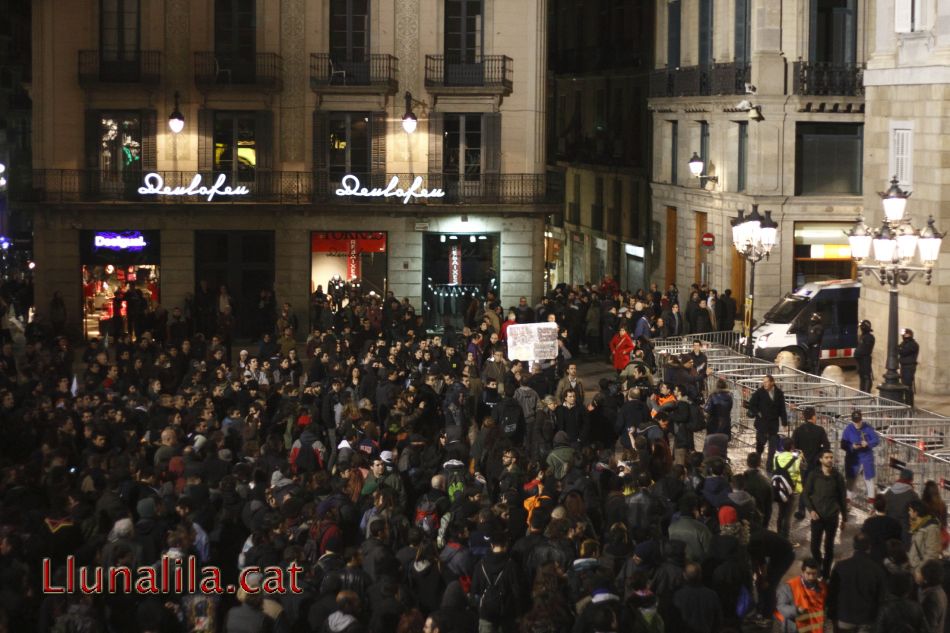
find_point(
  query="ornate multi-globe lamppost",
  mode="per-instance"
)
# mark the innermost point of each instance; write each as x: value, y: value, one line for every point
x: 754, y: 237
x: 888, y: 254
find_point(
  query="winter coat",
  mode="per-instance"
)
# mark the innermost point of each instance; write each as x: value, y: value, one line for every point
x: 925, y: 541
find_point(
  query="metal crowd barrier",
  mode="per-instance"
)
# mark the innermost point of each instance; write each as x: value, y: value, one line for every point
x: 910, y: 437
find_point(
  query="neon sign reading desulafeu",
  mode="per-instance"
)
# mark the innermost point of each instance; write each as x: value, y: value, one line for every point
x: 350, y: 186
x: 154, y: 185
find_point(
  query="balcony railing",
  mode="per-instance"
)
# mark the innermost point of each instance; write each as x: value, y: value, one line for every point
x: 378, y: 73
x: 288, y: 187
x: 822, y: 78
x: 451, y: 72
x: 262, y: 71
x: 141, y: 67
x: 700, y: 81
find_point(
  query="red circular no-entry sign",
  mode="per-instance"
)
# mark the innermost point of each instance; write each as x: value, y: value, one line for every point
x: 708, y: 240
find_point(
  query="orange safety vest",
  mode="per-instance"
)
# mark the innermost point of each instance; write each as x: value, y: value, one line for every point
x: 812, y: 602
x: 662, y: 400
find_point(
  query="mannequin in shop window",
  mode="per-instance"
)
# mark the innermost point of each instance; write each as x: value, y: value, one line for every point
x: 336, y: 287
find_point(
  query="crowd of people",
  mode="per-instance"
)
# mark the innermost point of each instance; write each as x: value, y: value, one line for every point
x: 423, y: 482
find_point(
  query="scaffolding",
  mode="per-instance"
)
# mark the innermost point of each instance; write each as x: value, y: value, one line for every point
x: 910, y: 437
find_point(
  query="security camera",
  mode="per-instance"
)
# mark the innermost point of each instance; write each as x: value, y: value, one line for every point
x: 744, y: 105
x: 755, y: 114
x: 749, y: 89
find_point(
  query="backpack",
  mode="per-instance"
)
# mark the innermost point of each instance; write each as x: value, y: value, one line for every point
x: 744, y: 603
x: 492, y: 605
x: 782, y: 487
x: 427, y: 517
x: 455, y: 484
x: 306, y: 461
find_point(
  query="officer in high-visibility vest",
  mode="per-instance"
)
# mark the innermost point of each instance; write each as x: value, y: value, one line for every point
x: 801, y: 601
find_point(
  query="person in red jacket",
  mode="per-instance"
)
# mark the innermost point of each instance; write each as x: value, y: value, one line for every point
x: 621, y: 345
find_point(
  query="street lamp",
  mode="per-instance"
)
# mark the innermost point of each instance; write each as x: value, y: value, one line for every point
x: 754, y: 237
x: 696, y: 166
x: 176, y: 120
x: 409, y: 119
x: 888, y: 255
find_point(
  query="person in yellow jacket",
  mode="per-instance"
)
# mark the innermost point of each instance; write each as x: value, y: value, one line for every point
x: 801, y: 601
x: 786, y: 465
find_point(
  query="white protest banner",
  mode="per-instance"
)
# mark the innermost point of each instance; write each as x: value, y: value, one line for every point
x: 532, y: 341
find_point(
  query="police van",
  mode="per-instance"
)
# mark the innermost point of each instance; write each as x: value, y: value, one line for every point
x: 784, y: 328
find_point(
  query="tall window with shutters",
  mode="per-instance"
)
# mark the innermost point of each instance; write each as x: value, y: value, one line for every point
x: 349, y: 143
x: 901, y: 155
x: 673, y: 34
x: 705, y: 32
x: 465, y: 153
x: 910, y: 16
x: 743, y: 32
x: 119, y: 31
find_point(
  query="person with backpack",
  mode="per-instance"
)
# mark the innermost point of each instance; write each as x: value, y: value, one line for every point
x: 509, y: 417
x: 431, y: 507
x: 496, y: 588
x: 786, y: 483
x: 686, y: 419
x: 307, y: 452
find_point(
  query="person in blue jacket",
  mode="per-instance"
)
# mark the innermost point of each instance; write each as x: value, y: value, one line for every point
x: 858, y: 441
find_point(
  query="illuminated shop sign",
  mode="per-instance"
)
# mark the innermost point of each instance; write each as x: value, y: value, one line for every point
x: 129, y: 241
x: 350, y: 186
x: 154, y: 185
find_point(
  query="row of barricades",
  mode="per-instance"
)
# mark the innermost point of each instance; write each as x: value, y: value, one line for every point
x: 910, y: 437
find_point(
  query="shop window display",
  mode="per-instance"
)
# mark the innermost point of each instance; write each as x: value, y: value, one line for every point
x: 119, y: 299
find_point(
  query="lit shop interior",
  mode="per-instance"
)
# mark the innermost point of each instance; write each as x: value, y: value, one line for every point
x: 112, y: 263
x: 456, y: 269
x: 822, y: 252
x: 348, y: 257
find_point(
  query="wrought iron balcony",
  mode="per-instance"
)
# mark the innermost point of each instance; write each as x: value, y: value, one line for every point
x: 261, y: 71
x: 480, y: 74
x: 700, y: 81
x: 102, y: 68
x: 375, y: 75
x: 823, y: 78
x: 289, y: 187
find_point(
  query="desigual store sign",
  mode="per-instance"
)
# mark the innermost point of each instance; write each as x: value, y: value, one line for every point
x: 350, y: 254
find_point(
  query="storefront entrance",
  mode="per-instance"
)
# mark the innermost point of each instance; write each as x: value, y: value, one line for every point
x: 240, y: 263
x: 120, y: 281
x: 457, y: 268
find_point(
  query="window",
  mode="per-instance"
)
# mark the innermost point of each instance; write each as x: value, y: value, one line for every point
x: 462, y: 146
x: 704, y: 148
x: 673, y: 34
x: 635, y: 210
x: 705, y: 32
x: 743, y: 31
x: 120, y: 144
x: 235, y: 37
x: 616, y: 213
x: 575, y: 209
x: 834, y: 31
x: 910, y: 16
x: 743, y: 158
x: 674, y: 141
x: 235, y: 145
x: 463, y: 31
x: 821, y: 252
x: 597, y: 209
x: 349, y: 30
x: 119, y: 30
x: 901, y: 155
x: 349, y: 144
x: 828, y: 158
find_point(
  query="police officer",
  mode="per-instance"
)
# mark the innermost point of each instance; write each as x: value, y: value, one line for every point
x: 862, y: 354
x: 907, y: 352
x: 813, y: 340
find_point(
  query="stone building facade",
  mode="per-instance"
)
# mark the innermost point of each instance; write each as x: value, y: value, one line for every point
x: 907, y: 85
x: 287, y: 98
x: 598, y: 124
x: 769, y: 95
